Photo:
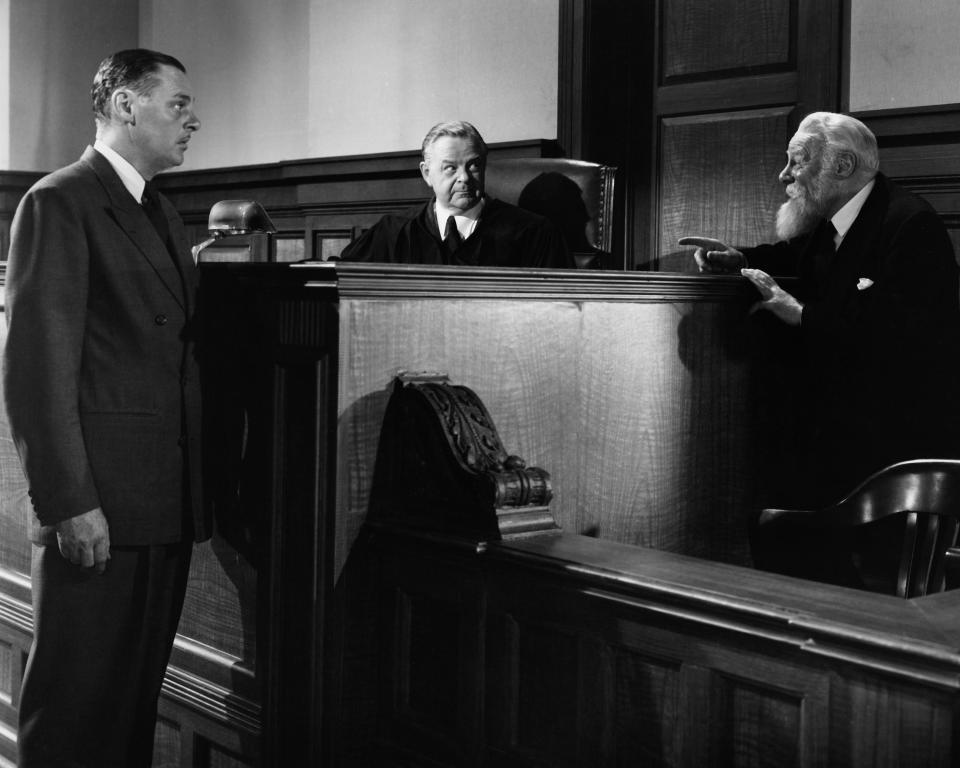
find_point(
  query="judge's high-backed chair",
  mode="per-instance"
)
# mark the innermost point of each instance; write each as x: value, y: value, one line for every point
x: 924, y: 496
x: 575, y: 194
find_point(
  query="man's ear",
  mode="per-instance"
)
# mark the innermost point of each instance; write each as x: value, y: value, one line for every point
x: 121, y: 102
x: 846, y: 164
x: 424, y: 173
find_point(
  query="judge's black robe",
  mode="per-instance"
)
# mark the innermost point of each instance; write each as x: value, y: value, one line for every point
x: 505, y: 236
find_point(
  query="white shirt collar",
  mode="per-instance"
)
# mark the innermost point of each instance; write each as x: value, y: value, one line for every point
x: 466, y: 222
x: 129, y: 175
x: 843, y: 219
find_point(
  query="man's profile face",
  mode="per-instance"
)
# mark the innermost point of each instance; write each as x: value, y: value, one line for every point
x: 454, y: 170
x: 809, y: 188
x: 164, y: 120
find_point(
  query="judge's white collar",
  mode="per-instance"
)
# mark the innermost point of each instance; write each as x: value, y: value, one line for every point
x: 466, y: 221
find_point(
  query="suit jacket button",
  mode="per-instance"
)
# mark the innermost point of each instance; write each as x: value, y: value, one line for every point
x: 160, y: 319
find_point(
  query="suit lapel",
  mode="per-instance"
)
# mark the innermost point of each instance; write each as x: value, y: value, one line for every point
x: 866, y: 228
x: 130, y: 217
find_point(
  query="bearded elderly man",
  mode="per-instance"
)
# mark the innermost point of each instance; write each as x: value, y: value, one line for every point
x: 875, y: 309
x: 460, y: 225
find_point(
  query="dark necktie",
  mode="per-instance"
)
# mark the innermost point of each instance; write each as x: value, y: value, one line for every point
x: 826, y: 251
x: 451, y: 237
x: 154, y: 211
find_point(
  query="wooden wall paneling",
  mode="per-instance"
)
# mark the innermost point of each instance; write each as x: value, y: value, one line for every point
x: 299, y: 561
x: 14, y: 646
x: 755, y: 35
x: 13, y: 186
x: 674, y: 694
x: 604, y: 101
x: 431, y: 616
x: 606, y: 655
x: 15, y: 505
x: 714, y: 182
x: 723, y: 114
x: 646, y: 699
x: 920, y: 148
x: 661, y: 457
x: 894, y: 725
x: 342, y: 194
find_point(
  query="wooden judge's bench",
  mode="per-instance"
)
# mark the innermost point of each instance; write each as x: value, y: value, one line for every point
x: 471, y: 517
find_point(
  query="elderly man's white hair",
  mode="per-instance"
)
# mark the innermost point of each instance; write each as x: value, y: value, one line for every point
x: 842, y: 133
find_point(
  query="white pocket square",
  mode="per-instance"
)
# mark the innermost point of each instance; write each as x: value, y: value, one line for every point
x: 863, y: 283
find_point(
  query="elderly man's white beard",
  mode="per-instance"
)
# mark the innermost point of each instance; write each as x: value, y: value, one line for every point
x: 803, y: 211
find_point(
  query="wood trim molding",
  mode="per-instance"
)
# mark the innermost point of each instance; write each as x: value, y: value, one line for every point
x: 409, y: 281
x: 723, y: 597
x: 570, y: 76
x: 15, y: 608
x: 891, y: 125
x: 206, y: 694
x: 377, y: 165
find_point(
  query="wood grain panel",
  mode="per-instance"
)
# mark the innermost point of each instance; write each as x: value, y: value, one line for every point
x: 15, y: 506
x: 6, y: 672
x: 645, y: 440
x: 646, y: 716
x: 219, y: 758
x: 894, y: 726
x: 610, y: 655
x: 518, y: 358
x: 167, y: 745
x: 220, y: 606
x: 757, y: 726
x: 429, y: 666
x: 700, y: 38
x: 13, y: 647
x: 719, y: 179
x: 548, y: 694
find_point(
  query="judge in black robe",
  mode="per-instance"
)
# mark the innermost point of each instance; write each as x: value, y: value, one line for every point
x: 505, y: 236
x: 477, y: 231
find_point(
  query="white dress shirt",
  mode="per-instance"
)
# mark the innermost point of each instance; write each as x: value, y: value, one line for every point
x: 843, y: 219
x: 129, y: 175
x: 466, y: 222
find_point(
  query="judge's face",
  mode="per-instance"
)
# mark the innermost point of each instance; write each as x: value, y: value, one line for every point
x: 164, y: 121
x: 454, y: 170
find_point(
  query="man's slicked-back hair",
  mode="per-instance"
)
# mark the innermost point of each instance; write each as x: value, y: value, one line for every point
x: 458, y: 129
x: 841, y: 133
x: 133, y: 68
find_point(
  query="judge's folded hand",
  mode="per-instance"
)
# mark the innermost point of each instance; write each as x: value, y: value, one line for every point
x: 713, y: 255
x: 85, y: 539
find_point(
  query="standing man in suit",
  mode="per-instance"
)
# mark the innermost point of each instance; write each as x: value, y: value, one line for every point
x: 874, y: 312
x: 103, y: 392
x: 461, y: 225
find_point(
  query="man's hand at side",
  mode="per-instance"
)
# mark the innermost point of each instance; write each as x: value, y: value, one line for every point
x: 85, y: 539
x: 714, y: 256
x: 774, y: 298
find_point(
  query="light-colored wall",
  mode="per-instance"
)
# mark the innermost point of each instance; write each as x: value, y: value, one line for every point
x: 386, y: 70
x: 52, y: 50
x: 287, y: 79
x: 292, y: 79
x: 904, y: 54
x: 4, y: 83
x: 249, y: 65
